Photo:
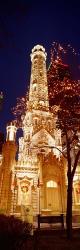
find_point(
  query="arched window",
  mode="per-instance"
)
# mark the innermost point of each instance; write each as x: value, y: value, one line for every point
x: 41, y: 103
x: 35, y: 120
x: 51, y: 184
x: 34, y: 87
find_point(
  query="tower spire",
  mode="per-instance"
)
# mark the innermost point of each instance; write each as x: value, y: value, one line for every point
x: 38, y: 94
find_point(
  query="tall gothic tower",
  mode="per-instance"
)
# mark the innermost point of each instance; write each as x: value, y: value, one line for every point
x: 38, y: 119
x: 38, y: 129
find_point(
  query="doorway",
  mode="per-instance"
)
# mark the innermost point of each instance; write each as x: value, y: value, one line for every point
x: 53, y: 196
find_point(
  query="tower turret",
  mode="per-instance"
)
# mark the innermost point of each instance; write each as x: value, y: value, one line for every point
x: 7, y: 171
x: 11, y: 132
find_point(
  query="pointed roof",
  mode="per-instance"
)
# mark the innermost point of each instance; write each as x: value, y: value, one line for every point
x: 43, y: 138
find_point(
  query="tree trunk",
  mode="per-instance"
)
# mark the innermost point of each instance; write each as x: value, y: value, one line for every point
x: 69, y: 208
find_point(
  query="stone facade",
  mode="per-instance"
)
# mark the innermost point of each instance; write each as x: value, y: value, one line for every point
x: 37, y: 182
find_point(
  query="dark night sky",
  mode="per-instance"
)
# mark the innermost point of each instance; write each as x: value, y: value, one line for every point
x: 22, y: 25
